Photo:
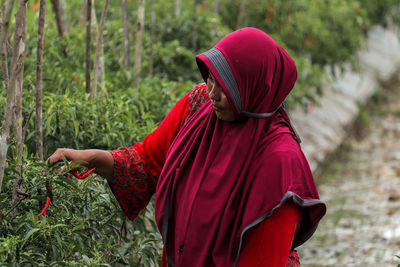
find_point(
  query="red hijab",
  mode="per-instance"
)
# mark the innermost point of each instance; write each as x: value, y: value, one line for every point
x: 222, y: 178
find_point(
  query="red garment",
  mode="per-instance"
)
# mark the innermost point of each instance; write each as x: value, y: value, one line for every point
x: 130, y: 169
x: 269, y: 244
x: 136, y: 169
x: 222, y: 178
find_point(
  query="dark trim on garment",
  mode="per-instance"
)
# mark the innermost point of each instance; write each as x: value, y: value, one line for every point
x: 225, y: 72
x: 297, y: 200
x: 260, y: 115
x: 170, y: 262
x: 165, y: 224
x: 294, y: 129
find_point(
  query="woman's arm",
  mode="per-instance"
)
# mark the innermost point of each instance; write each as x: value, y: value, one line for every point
x: 136, y: 169
x: 132, y: 172
x: 101, y: 160
x: 269, y: 243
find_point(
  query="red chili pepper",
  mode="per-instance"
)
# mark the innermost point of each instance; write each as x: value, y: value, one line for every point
x: 48, y: 200
x: 87, y: 173
x: 83, y: 174
x: 34, y: 7
x: 77, y: 175
x: 22, y: 198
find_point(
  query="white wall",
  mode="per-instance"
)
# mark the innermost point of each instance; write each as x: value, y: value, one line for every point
x: 323, y: 129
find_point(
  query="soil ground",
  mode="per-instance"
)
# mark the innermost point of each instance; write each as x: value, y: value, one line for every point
x: 360, y: 184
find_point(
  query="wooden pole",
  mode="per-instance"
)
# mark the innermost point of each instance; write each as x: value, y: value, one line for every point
x: 18, y: 126
x: 99, y: 47
x: 88, y: 41
x: 194, y: 38
x: 59, y: 11
x: 6, y: 22
x: 242, y: 14
x: 3, y: 51
x: 216, y: 7
x: 17, y: 63
x: 152, y: 38
x: 127, y: 43
x: 3, y: 38
x: 177, y: 8
x: 138, y: 51
x: 39, y: 81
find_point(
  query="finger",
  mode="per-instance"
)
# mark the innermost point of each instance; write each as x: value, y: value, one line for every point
x: 55, y: 157
x: 51, y: 160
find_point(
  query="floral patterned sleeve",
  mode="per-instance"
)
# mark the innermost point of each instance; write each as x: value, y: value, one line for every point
x: 136, y: 169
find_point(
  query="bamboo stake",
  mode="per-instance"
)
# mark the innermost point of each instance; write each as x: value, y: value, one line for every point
x: 138, y: 51
x: 3, y: 38
x: 59, y: 11
x: 6, y: 22
x: 99, y: 47
x: 17, y: 63
x: 127, y: 44
x: 18, y: 128
x: 88, y: 41
x: 58, y: 8
x: 83, y: 16
x: 177, y: 8
x: 4, y: 65
x: 3, y: 8
x: 242, y: 14
x: 39, y: 81
x: 152, y: 38
x: 194, y: 39
x: 216, y: 7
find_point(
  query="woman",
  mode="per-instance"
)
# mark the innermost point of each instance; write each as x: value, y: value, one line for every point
x: 233, y: 187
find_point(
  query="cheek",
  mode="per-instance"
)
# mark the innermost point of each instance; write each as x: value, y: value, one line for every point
x: 228, y: 112
x: 225, y: 102
x: 208, y: 85
x: 207, y: 91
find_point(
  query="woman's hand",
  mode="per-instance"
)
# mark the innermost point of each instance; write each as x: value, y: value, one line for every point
x: 70, y: 154
x: 101, y: 160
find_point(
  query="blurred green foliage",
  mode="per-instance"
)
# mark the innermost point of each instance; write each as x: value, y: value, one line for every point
x: 121, y: 118
x: 85, y: 228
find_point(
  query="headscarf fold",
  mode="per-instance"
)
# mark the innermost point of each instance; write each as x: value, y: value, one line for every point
x: 222, y: 178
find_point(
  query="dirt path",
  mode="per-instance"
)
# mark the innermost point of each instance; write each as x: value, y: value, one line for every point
x: 361, y: 187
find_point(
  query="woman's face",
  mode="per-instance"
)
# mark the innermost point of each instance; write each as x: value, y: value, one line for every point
x: 219, y: 100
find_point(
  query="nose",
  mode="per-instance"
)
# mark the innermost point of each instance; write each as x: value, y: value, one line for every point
x: 214, y: 93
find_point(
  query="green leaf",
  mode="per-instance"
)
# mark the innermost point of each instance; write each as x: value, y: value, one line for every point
x: 66, y: 183
x: 28, y: 258
x: 78, y: 227
x: 59, y: 225
x: 76, y: 127
x: 78, y: 164
x: 64, y: 159
x: 28, y: 235
x: 54, y: 252
x: 3, y: 196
